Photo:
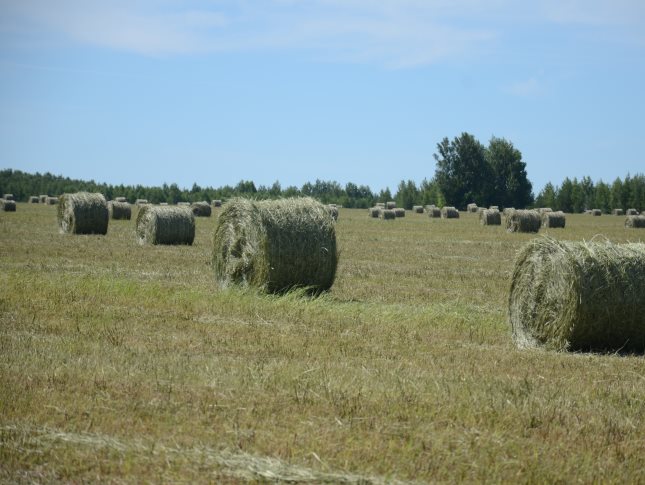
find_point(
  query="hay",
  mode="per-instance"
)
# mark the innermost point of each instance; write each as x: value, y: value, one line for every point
x: 617, y: 212
x: 8, y: 197
x: 43, y: 198
x: 434, y: 212
x: 333, y: 211
x: 596, y: 212
x: 83, y: 213
x: 201, y: 209
x: 494, y: 208
x: 390, y: 205
x: 472, y: 207
x: 34, y: 199
x: 490, y: 217
x: 542, y: 210
x: 554, y: 220
x: 579, y: 296
x: 374, y: 212
x: 380, y: 205
x: 165, y: 225
x: 508, y: 210
x: 7, y: 205
x: 387, y: 214
x: 51, y: 201
x: 141, y: 202
x: 276, y: 245
x: 631, y: 212
x: 120, y: 199
x: 119, y: 210
x: 448, y: 212
x: 635, y: 222
x: 399, y: 212
x: 217, y: 203
x: 417, y: 209
x: 523, y: 221
x: 164, y: 203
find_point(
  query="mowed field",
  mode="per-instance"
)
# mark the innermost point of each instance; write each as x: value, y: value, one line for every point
x: 123, y: 363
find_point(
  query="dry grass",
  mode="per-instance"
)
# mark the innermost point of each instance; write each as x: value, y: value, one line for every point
x: 127, y: 364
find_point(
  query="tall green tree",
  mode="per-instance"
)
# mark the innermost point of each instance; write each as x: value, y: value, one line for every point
x: 407, y: 195
x: 511, y: 186
x: 547, y: 197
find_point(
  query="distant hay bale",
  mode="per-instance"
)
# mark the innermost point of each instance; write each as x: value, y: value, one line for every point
x: 120, y: 199
x: 542, y: 210
x: 217, y: 203
x: 141, y: 202
x: 430, y: 206
x: 596, y: 212
x: 635, y: 222
x: 8, y: 197
x: 34, y: 199
x: 165, y: 225
x: 7, y: 205
x: 43, y: 198
x: 380, y: 205
x: 399, y: 212
x: 434, y: 212
x: 472, y: 207
x: 51, y: 201
x: 201, y: 209
x: 374, y: 212
x: 163, y: 203
x: 617, y: 212
x: 448, y: 212
x: 579, y: 296
x: 390, y: 205
x: 494, y: 207
x: 417, y: 209
x: 387, y: 214
x: 83, y: 213
x: 631, y: 212
x: 554, y: 219
x: 333, y: 211
x: 183, y: 204
x: 490, y: 217
x: 523, y: 221
x: 507, y: 210
x: 119, y: 210
x: 276, y: 245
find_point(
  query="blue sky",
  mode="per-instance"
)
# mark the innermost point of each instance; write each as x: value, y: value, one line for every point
x: 147, y: 92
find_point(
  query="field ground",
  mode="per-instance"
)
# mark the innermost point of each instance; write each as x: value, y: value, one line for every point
x: 122, y: 363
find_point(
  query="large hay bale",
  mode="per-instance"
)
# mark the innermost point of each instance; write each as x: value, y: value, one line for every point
x: 34, y: 199
x: 119, y: 210
x: 390, y: 205
x: 523, y: 221
x: 554, y: 219
x: 217, y: 203
x: 490, y: 217
x: 374, y: 212
x: 617, y: 212
x: 472, y: 207
x: 201, y: 209
x: 43, y: 198
x: 399, y: 212
x: 7, y: 205
x: 120, y: 199
x: 579, y: 296
x: 448, y: 212
x: 417, y: 209
x: 141, y: 202
x: 276, y: 245
x: 387, y: 214
x: 51, y: 201
x: 631, y: 212
x: 494, y: 207
x: 83, y: 213
x: 8, y: 197
x: 434, y: 212
x: 542, y: 210
x: 380, y: 205
x: 333, y: 211
x: 165, y: 225
x: 635, y: 221
x: 596, y: 212
x: 508, y: 210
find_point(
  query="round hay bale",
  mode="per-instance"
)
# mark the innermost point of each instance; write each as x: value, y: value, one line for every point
x: 417, y: 209
x: 51, y: 201
x: 374, y: 212
x: 448, y: 212
x: 380, y: 205
x: 8, y: 197
x: 201, y: 209
x: 217, y: 203
x: 635, y: 222
x: 596, y: 212
x: 34, y: 199
x: 387, y: 214
x: 617, y: 212
x: 163, y: 203
x: 508, y: 210
x: 631, y: 212
x: 553, y: 219
x: 7, y: 205
x: 399, y: 212
x: 141, y: 202
x: 119, y: 210
x: 120, y: 199
x: 494, y: 207
x: 472, y: 207
x: 276, y: 245
x: 333, y: 211
x: 390, y: 205
x: 434, y: 212
x: 43, y: 198
x: 83, y: 213
x: 542, y: 210
x: 165, y: 225
x: 579, y: 295
x: 490, y: 217
x: 523, y: 221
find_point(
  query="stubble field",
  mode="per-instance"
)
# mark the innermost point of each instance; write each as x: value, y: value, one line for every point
x: 123, y: 363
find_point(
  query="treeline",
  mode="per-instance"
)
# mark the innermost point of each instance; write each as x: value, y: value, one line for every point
x: 579, y: 195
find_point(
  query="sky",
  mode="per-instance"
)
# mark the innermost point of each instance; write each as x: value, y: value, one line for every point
x: 217, y: 91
